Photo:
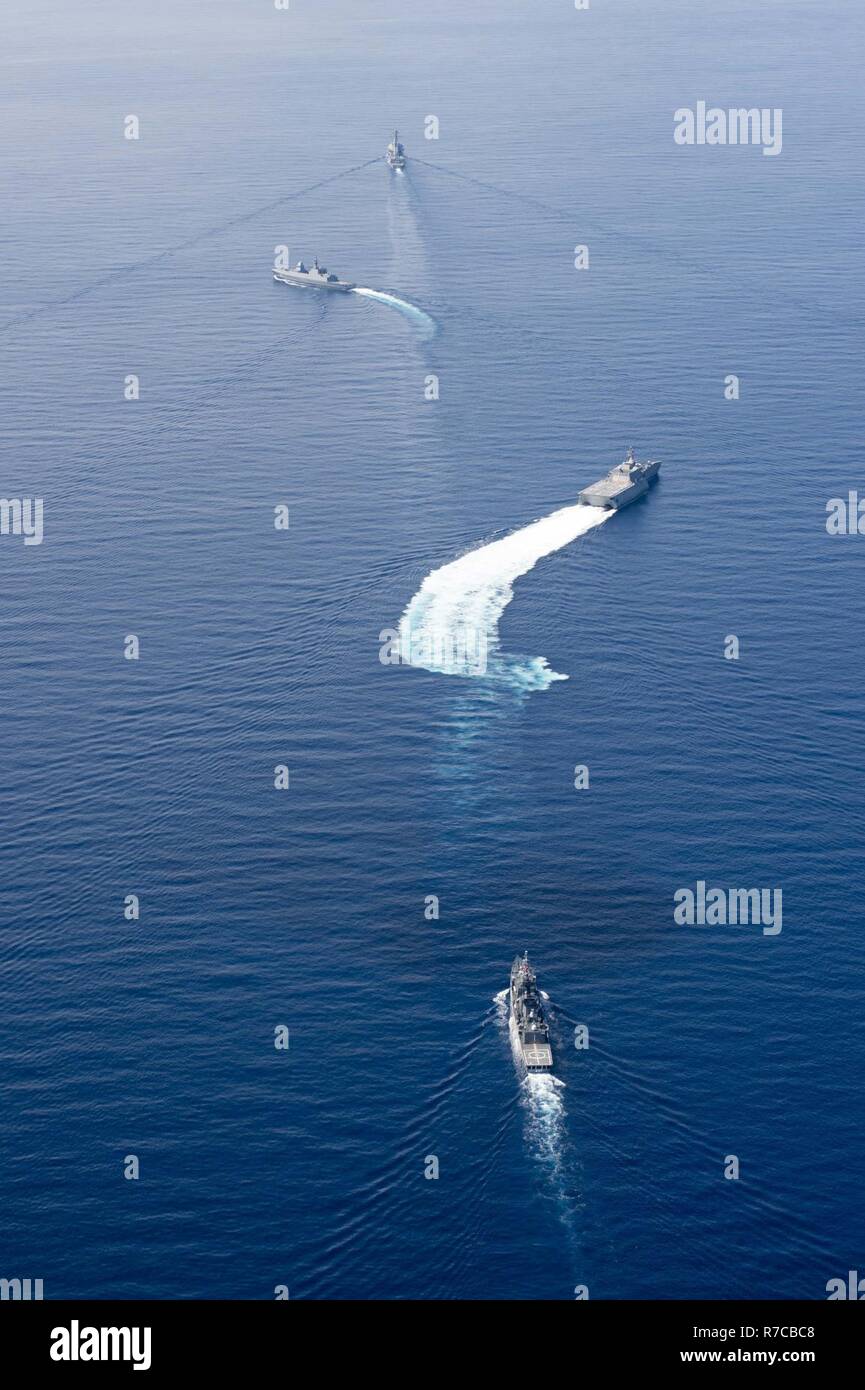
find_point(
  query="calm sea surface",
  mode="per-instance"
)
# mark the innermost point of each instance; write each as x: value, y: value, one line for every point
x: 306, y: 908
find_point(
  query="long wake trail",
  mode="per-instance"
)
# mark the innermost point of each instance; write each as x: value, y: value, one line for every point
x: 451, y: 624
x: 545, y: 1125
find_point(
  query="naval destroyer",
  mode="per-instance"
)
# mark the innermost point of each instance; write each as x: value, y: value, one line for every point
x: 317, y: 278
x: 527, y: 1014
x: 395, y: 155
x: 622, y: 485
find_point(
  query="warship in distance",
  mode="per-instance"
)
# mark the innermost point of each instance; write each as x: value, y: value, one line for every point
x: 317, y: 278
x: 395, y: 155
x: 622, y: 485
x: 527, y: 1013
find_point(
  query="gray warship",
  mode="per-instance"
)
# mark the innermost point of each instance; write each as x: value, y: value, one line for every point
x: 622, y: 485
x: 527, y: 1014
x: 316, y: 278
x: 395, y: 155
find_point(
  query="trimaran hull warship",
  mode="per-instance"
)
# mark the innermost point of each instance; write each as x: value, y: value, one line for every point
x: 623, y: 485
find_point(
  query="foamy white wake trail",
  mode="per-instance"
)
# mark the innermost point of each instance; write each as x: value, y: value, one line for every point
x: 451, y: 624
x: 411, y: 311
x: 542, y: 1099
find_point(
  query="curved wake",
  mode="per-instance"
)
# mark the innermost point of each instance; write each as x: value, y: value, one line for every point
x: 451, y: 624
x: 410, y: 311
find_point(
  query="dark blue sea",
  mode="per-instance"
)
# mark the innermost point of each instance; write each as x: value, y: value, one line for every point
x: 312, y: 908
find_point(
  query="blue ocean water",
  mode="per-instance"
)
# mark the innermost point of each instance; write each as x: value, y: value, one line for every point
x: 306, y: 908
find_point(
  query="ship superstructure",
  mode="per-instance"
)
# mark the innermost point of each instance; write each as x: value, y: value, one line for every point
x: 622, y: 485
x: 315, y: 277
x: 527, y: 1015
x: 395, y: 154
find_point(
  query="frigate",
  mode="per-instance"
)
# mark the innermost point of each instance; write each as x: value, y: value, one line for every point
x: 317, y: 278
x: 527, y: 1016
x: 622, y: 485
x: 395, y: 155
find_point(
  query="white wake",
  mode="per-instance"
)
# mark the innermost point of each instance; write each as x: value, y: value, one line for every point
x: 451, y: 624
x: 545, y: 1126
x: 410, y: 311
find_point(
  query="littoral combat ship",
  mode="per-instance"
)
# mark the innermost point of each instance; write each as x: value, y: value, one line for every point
x: 527, y: 1013
x: 622, y: 485
x: 317, y: 278
x: 395, y: 155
